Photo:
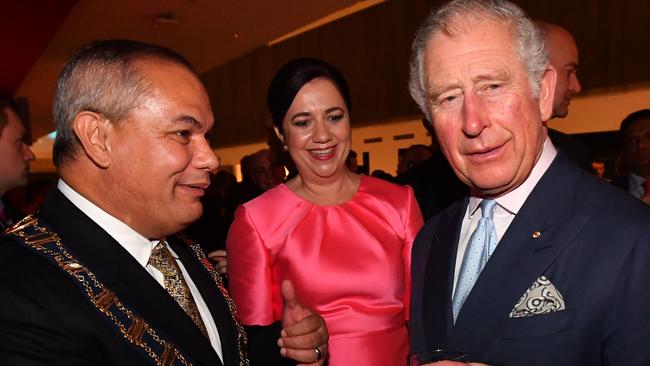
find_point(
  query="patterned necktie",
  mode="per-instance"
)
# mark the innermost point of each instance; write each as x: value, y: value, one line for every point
x: 161, y: 259
x: 479, y: 248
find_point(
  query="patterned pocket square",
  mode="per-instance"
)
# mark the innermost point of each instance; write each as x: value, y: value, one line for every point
x: 541, y: 298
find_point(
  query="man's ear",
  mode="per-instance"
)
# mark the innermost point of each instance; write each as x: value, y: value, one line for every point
x: 546, y: 93
x: 91, y: 130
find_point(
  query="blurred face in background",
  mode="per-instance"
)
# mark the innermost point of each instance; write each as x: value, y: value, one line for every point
x: 636, y: 148
x: 265, y: 170
x: 317, y: 131
x: 15, y: 154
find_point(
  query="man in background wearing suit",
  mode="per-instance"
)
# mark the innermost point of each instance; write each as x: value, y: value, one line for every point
x: 635, y: 137
x: 563, y: 56
x: 15, y: 156
x: 98, y: 276
x: 542, y: 264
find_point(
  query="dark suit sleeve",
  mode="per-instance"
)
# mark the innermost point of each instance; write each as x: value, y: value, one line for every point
x: 262, y: 345
x: 627, y: 327
x: 31, y: 332
x: 28, y: 337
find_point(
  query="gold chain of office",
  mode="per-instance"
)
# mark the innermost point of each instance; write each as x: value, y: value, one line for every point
x: 133, y: 328
x: 242, y: 341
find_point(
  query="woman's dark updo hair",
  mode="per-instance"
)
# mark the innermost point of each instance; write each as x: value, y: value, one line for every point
x: 291, y: 77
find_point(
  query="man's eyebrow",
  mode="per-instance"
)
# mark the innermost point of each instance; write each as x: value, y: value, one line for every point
x: 493, y: 75
x: 435, y: 90
x: 188, y: 120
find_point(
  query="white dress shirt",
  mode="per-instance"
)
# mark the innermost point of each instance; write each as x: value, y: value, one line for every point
x: 507, y: 206
x: 140, y: 248
x: 635, y: 185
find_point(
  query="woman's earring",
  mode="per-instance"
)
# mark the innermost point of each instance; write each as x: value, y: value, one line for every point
x: 285, y: 148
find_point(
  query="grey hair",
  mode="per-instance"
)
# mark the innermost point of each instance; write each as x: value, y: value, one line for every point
x: 102, y: 77
x: 528, y: 40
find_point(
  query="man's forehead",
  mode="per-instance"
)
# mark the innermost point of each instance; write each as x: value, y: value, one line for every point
x: 474, y: 35
x: 14, y: 120
x: 479, y: 55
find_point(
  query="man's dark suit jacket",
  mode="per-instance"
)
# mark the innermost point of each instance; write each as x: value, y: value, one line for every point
x: 572, y: 147
x: 434, y: 183
x: 45, y: 320
x: 594, y: 247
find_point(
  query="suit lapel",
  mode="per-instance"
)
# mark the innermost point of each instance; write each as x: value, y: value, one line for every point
x: 520, y: 258
x: 213, y: 299
x: 436, y: 307
x: 120, y: 272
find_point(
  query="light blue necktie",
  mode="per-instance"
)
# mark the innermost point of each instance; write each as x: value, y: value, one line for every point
x: 479, y: 248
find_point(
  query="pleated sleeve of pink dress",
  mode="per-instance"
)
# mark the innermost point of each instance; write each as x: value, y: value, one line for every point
x: 349, y: 262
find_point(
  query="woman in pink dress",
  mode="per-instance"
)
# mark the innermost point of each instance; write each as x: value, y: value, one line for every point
x: 344, y: 240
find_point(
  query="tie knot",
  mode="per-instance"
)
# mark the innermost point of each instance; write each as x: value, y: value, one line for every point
x: 161, y: 258
x: 487, y: 208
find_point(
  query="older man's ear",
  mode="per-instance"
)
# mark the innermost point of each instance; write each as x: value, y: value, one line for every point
x: 546, y: 92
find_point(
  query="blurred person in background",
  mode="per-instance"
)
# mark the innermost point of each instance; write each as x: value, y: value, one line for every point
x: 15, y: 156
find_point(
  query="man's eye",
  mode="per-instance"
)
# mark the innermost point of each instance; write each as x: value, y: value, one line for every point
x: 185, y: 134
x: 633, y: 140
x: 447, y: 99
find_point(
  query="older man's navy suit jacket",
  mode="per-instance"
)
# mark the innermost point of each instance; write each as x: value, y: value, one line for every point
x: 594, y: 247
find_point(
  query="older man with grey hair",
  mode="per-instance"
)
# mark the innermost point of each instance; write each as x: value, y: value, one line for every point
x: 542, y: 264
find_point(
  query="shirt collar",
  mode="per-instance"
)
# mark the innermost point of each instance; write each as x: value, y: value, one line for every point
x: 513, y: 200
x: 636, y: 180
x: 134, y: 243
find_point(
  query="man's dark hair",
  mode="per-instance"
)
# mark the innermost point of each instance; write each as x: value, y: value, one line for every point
x: 8, y: 103
x: 631, y: 119
x: 102, y: 77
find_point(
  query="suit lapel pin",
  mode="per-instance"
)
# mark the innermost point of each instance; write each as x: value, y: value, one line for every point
x: 536, y: 234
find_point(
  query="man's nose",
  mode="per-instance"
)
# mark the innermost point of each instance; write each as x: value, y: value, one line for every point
x: 28, y: 154
x: 474, y: 120
x: 575, y: 84
x: 205, y: 158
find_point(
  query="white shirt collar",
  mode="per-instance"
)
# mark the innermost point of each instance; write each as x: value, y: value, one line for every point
x: 137, y: 245
x: 635, y: 185
x: 513, y: 200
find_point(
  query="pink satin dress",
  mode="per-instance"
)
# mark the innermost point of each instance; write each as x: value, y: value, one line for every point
x: 350, y: 262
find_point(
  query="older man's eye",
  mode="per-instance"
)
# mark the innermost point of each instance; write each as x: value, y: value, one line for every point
x: 447, y: 99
